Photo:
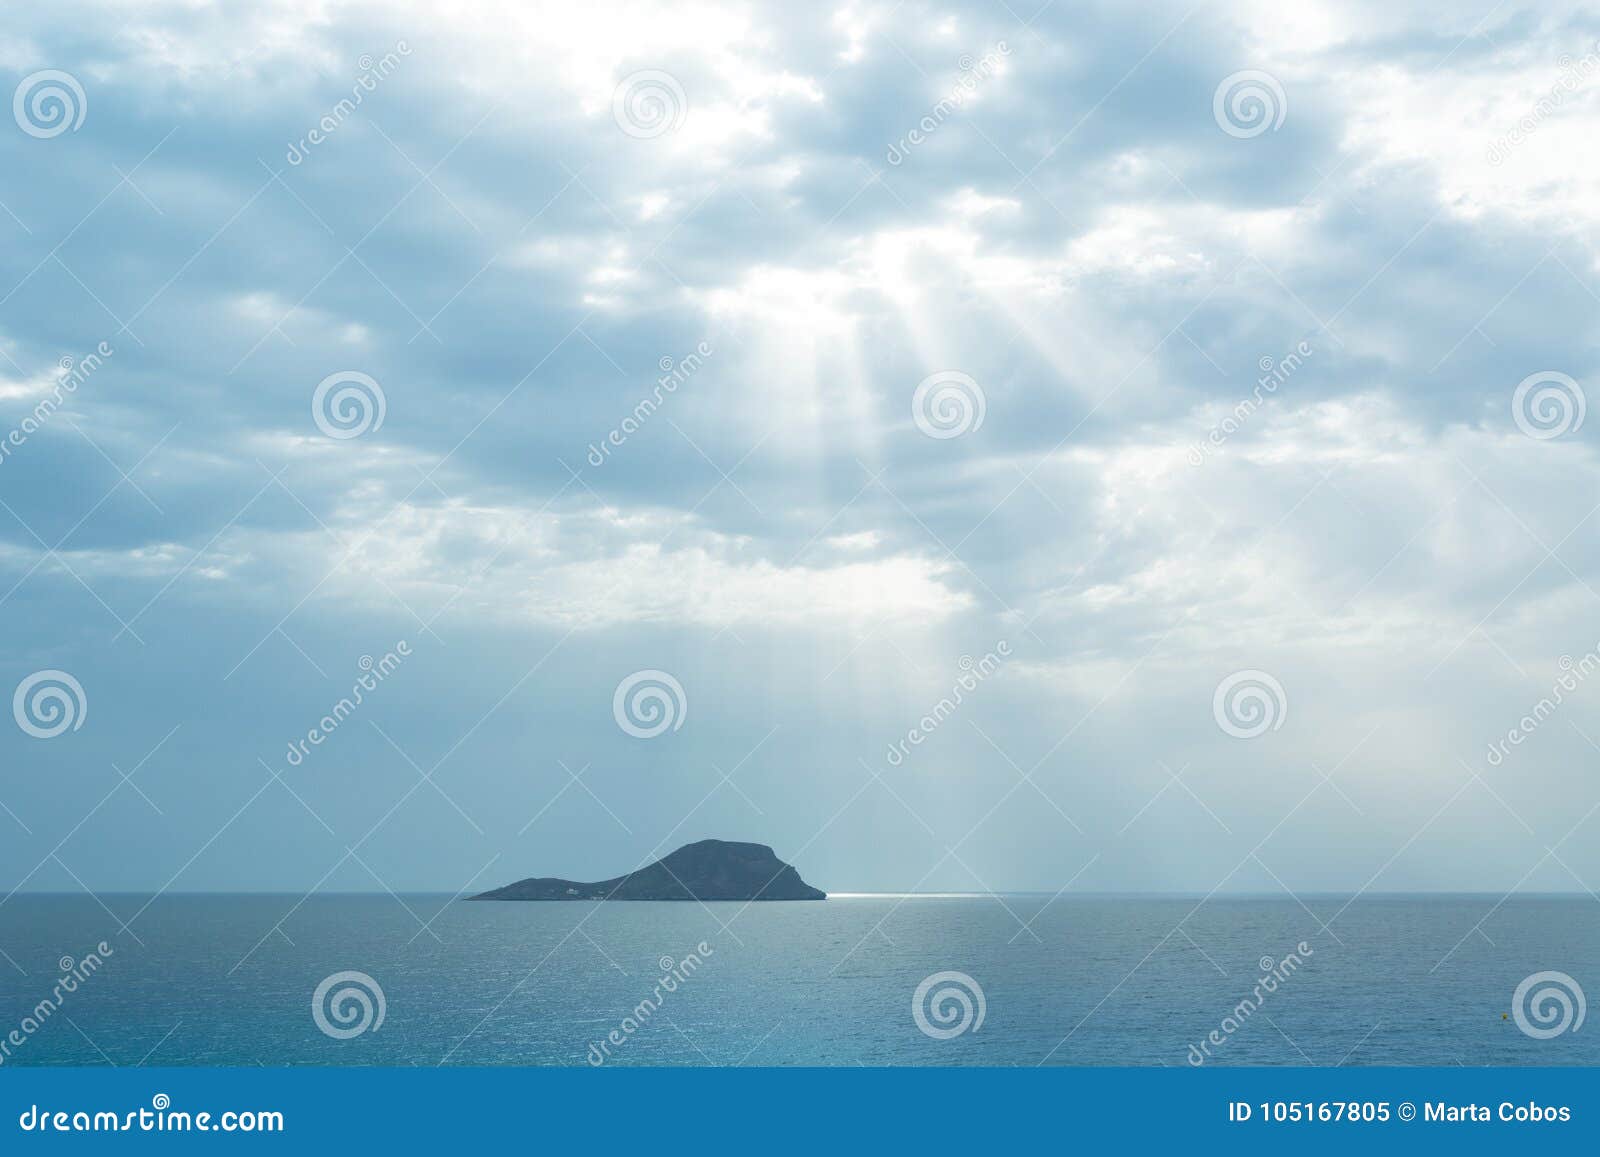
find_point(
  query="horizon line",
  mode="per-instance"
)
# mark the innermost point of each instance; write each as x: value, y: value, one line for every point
x: 852, y: 895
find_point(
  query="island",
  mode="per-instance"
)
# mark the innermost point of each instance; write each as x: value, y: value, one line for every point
x: 707, y: 870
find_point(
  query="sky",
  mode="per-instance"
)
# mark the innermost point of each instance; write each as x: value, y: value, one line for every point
x: 967, y: 447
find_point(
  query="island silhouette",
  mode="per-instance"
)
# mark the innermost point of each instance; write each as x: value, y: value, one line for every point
x: 706, y: 870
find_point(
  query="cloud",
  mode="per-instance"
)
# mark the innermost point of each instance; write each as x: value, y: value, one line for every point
x: 520, y: 254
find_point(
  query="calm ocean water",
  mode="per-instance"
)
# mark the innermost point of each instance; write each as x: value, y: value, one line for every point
x: 1096, y: 980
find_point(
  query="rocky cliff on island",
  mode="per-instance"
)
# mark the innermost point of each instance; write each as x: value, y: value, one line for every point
x: 708, y: 870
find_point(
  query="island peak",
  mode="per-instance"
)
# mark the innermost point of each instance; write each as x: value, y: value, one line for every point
x: 704, y: 870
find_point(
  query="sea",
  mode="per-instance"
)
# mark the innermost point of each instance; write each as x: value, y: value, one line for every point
x: 993, y: 980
